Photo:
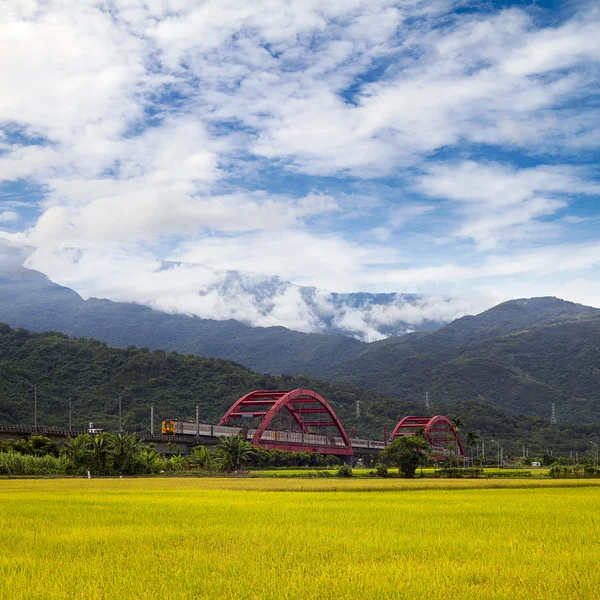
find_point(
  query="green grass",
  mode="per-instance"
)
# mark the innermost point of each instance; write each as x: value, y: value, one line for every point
x: 270, y: 539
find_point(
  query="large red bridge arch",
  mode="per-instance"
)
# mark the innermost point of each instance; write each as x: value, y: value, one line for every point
x: 439, y: 431
x: 316, y: 426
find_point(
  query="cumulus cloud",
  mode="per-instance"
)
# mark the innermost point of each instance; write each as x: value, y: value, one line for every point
x: 347, y: 145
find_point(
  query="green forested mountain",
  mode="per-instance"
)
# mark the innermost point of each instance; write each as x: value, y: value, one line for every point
x: 522, y: 366
x: 93, y: 375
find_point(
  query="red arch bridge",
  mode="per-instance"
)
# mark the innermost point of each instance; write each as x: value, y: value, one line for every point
x: 299, y: 420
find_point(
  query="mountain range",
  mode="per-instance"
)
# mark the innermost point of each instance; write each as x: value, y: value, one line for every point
x: 519, y: 357
x: 259, y: 300
x: 92, y: 375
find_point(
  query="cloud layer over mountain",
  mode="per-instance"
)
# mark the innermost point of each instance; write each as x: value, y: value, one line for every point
x: 439, y: 147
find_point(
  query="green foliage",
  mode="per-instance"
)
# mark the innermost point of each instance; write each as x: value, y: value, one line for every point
x: 176, y: 463
x: 573, y: 471
x: 233, y: 453
x: 381, y: 470
x: 406, y: 453
x: 504, y: 474
x: 35, y: 445
x: 344, y: 471
x: 125, y: 453
x: 458, y: 473
x: 201, y: 458
x: 112, y: 454
x: 16, y: 464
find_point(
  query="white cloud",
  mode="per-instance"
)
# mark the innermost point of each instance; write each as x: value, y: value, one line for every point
x: 502, y: 204
x: 191, y: 131
x: 132, y: 212
x: 8, y: 215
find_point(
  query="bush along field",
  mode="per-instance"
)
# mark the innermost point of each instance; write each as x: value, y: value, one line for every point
x: 109, y: 454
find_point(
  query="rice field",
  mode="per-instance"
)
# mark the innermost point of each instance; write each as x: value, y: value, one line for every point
x: 365, y: 472
x: 299, y: 538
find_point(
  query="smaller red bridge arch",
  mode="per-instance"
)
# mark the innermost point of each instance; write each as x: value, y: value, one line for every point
x: 313, y: 425
x: 439, y: 431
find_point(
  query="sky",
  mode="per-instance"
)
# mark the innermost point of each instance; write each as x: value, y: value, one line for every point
x: 448, y: 149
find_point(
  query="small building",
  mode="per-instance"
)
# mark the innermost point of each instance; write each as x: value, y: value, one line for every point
x: 536, y: 464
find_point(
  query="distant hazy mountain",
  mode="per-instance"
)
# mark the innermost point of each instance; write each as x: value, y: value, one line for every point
x: 263, y: 301
x: 30, y: 300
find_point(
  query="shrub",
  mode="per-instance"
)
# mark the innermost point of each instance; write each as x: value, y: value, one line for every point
x: 15, y: 464
x: 381, y: 470
x: 458, y: 473
x: 344, y: 471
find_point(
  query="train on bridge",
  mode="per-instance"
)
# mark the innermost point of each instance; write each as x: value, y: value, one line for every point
x: 301, y: 420
x: 292, y: 440
x: 297, y: 420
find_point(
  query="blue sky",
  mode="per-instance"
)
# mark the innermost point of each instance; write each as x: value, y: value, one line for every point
x: 445, y: 148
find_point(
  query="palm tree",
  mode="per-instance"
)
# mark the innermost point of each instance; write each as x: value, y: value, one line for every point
x: 150, y: 460
x: 472, y: 439
x: 99, y: 453
x: 202, y: 458
x: 457, y: 422
x: 125, y: 450
x: 233, y: 453
x: 78, y: 451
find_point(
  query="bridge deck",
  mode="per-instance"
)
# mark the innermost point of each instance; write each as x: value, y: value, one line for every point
x: 209, y: 435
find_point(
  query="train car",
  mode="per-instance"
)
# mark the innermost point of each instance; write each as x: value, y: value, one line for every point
x: 177, y: 427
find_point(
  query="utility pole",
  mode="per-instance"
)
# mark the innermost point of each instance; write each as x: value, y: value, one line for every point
x: 70, y: 415
x: 120, y: 416
x: 197, y: 422
x: 596, y: 452
x: 497, y: 444
x: 35, y: 407
x: 553, y: 420
x: 358, y: 409
x: 427, y: 401
x: 152, y: 420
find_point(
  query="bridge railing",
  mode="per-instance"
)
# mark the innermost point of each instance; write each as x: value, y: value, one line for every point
x: 30, y: 429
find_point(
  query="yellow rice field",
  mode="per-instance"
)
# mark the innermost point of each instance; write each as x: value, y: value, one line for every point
x: 272, y: 539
